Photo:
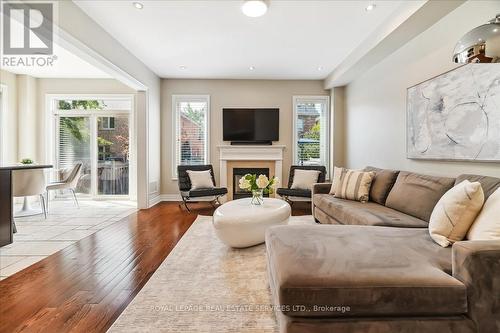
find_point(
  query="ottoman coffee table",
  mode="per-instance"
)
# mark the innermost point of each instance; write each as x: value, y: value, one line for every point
x: 238, y: 223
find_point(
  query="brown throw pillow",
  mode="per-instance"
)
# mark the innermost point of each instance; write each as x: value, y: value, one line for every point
x: 354, y: 185
x: 382, y: 184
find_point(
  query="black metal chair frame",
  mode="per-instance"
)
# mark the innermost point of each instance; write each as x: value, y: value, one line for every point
x: 185, y: 186
x: 321, y: 179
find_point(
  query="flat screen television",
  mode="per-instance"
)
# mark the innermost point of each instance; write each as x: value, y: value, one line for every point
x: 251, y: 126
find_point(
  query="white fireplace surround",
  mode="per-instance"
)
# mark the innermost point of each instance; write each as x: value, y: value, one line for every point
x: 272, y: 153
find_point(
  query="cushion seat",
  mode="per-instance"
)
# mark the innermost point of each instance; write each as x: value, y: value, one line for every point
x: 369, y: 213
x: 322, y: 270
x: 206, y: 192
x: 288, y: 192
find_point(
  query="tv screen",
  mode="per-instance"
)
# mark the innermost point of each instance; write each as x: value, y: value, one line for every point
x: 251, y: 125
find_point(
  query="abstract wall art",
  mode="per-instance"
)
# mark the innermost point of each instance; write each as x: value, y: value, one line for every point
x: 456, y: 115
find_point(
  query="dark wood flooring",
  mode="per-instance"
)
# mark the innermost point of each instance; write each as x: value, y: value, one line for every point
x: 85, y: 287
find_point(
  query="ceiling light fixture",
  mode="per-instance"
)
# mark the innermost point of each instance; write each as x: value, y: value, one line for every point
x: 138, y: 5
x: 480, y: 45
x: 320, y: 68
x: 251, y: 68
x: 182, y: 67
x: 254, y: 8
x: 370, y: 7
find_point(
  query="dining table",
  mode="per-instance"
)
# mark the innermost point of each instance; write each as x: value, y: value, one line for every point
x: 7, y: 226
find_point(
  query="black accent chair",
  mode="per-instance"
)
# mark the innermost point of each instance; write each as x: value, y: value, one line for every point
x: 189, y: 195
x: 288, y: 193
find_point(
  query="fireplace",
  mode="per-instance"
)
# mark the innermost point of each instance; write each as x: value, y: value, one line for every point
x: 238, y: 173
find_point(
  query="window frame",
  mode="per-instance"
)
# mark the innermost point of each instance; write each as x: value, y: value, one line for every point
x: 312, y: 99
x: 175, y: 128
x: 3, y: 129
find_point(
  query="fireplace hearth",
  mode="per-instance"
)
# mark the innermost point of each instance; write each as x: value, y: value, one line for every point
x: 238, y: 173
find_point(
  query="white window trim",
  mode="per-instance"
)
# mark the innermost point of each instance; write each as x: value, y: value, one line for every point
x: 321, y: 99
x: 3, y: 117
x: 175, y: 100
x: 52, y: 133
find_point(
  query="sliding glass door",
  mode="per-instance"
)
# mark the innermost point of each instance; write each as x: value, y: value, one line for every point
x: 97, y: 133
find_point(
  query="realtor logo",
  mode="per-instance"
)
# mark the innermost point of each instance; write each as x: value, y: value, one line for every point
x: 28, y: 28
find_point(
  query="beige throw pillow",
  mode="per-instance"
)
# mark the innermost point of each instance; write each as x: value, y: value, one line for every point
x: 337, y: 172
x: 487, y: 224
x: 455, y: 212
x: 353, y: 185
x: 200, y: 179
x: 304, y: 179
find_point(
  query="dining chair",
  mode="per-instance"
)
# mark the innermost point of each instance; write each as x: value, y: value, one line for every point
x: 69, y: 182
x: 26, y: 183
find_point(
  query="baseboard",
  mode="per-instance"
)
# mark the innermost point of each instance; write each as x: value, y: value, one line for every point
x: 154, y: 200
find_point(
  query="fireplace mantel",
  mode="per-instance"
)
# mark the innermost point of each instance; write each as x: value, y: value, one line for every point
x: 246, y: 155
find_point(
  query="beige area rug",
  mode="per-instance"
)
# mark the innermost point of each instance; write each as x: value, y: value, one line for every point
x: 205, y: 286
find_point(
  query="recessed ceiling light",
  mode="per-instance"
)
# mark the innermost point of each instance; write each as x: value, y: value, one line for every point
x: 251, y: 68
x: 320, y: 68
x: 495, y: 30
x: 254, y: 8
x: 182, y: 67
x: 138, y: 5
x: 370, y: 7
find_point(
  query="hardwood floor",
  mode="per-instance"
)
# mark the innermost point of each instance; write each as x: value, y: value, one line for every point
x: 85, y: 287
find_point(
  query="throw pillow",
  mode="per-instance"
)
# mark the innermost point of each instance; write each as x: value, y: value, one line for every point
x: 200, y: 179
x: 354, y: 185
x: 304, y: 179
x: 337, y: 172
x: 455, y: 212
x: 487, y: 224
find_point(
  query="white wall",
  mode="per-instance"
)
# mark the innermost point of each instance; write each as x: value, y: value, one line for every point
x: 73, y: 21
x: 375, y: 118
x: 9, y: 117
x: 232, y: 93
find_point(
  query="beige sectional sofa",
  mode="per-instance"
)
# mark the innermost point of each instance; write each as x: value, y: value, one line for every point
x: 372, y: 267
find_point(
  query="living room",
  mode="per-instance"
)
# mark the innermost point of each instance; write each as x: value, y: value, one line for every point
x: 291, y: 166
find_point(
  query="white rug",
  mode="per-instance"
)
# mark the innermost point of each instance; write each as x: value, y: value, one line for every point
x: 205, y: 286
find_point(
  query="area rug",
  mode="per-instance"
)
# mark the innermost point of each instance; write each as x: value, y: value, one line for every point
x: 205, y: 286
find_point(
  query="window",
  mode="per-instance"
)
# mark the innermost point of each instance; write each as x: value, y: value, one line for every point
x: 108, y: 123
x: 191, y: 116
x: 311, y: 130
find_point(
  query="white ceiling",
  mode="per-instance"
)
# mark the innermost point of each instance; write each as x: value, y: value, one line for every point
x: 213, y: 39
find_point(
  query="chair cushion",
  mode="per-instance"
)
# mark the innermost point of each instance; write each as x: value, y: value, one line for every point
x: 207, y: 192
x: 489, y: 184
x: 287, y: 192
x: 304, y: 179
x: 369, y: 213
x: 416, y: 194
x: 200, y: 179
x: 382, y: 184
x: 372, y: 270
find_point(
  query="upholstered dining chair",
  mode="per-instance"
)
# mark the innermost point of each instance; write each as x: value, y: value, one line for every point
x: 291, y: 195
x: 69, y: 182
x: 27, y: 183
x: 211, y: 195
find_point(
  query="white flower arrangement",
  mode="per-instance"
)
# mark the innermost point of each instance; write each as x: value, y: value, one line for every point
x: 253, y: 183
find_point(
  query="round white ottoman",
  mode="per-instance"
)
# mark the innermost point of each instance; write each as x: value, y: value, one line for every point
x: 238, y: 223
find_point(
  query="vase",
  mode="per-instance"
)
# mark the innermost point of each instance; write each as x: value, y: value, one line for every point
x: 257, y: 197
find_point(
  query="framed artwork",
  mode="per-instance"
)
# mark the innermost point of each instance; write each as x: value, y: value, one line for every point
x: 456, y: 115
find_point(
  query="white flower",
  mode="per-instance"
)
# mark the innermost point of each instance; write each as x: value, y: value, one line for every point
x: 244, y: 184
x: 276, y: 181
x: 262, y: 181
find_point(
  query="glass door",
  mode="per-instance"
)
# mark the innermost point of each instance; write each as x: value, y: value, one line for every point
x: 97, y: 134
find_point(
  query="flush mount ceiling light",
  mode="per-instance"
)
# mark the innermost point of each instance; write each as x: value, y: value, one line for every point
x: 182, y: 67
x: 138, y: 5
x: 480, y: 45
x: 251, y: 68
x: 370, y: 7
x: 254, y: 8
